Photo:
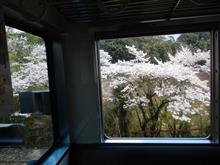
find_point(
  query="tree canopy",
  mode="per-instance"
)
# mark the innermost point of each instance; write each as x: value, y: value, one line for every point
x: 195, y: 41
x: 154, y: 46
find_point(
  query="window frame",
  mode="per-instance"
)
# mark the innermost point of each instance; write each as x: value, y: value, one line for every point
x: 60, y: 145
x: 156, y: 29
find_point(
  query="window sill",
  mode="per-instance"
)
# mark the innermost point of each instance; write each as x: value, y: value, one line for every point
x: 11, y: 134
x: 159, y: 141
x: 57, y: 154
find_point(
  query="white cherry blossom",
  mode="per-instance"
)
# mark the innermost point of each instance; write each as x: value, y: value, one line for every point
x: 177, y: 79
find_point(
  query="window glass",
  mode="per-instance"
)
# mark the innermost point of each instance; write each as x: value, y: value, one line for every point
x: 30, y: 116
x: 156, y: 86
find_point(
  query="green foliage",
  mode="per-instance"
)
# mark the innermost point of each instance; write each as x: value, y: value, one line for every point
x: 121, y: 113
x: 38, y: 131
x: 156, y: 46
x: 34, y: 40
x: 16, y: 103
x: 152, y: 120
x: 176, y: 128
x: 37, y: 88
x: 110, y: 122
x: 195, y: 41
x: 30, y: 38
x: 117, y: 49
x: 21, y: 48
x: 160, y: 47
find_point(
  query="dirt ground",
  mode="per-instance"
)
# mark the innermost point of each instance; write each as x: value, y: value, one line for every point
x: 19, y: 156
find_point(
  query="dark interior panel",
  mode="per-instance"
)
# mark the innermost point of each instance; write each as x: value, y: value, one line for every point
x: 116, y: 154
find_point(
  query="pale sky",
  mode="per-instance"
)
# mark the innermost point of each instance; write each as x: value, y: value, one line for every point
x: 173, y: 35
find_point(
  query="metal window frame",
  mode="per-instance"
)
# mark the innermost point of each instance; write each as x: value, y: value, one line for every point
x: 163, y: 29
x: 215, y: 86
x: 6, y: 136
x: 60, y: 146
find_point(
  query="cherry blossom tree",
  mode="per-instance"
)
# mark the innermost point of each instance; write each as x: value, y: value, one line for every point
x: 27, y: 62
x: 32, y: 73
x: 179, y: 88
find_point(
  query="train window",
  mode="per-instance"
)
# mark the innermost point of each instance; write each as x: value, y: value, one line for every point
x: 157, y: 86
x: 29, y: 120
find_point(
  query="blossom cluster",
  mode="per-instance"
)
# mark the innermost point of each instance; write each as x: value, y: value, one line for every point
x: 178, y: 80
x: 32, y: 69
